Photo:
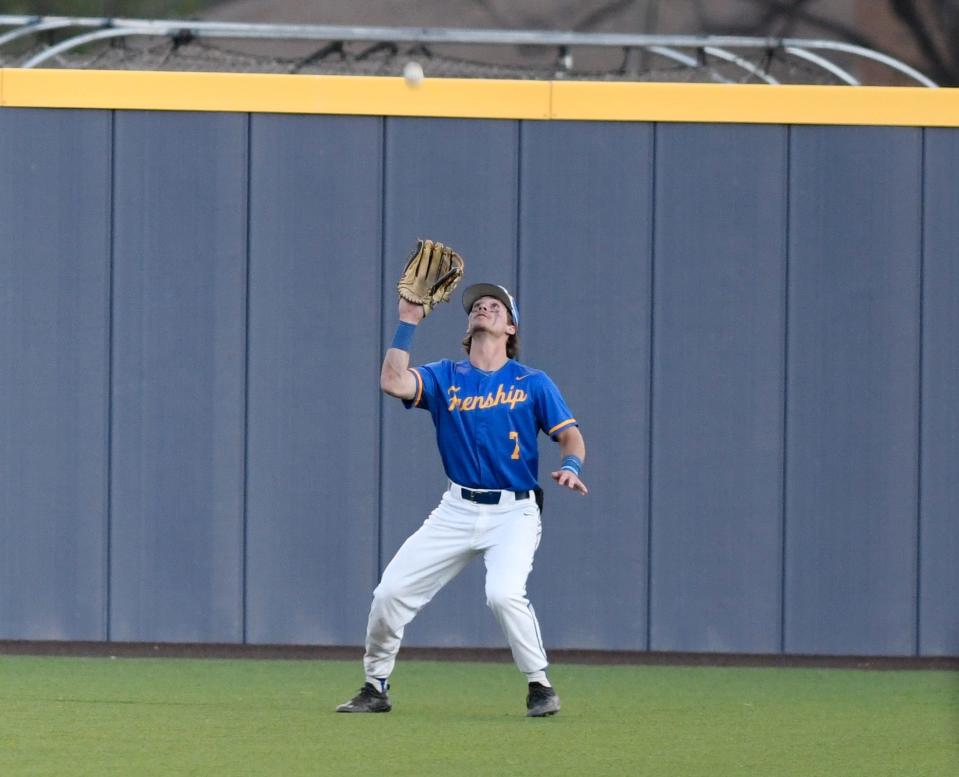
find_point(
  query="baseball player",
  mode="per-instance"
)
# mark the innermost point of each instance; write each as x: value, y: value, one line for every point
x: 487, y: 410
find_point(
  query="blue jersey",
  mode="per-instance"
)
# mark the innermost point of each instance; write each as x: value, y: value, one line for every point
x: 487, y: 422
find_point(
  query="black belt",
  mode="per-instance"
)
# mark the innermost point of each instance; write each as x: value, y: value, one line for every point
x: 489, y: 497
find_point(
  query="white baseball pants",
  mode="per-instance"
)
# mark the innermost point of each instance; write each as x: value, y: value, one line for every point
x: 505, y: 534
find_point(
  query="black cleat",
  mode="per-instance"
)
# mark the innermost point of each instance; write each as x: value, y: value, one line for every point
x: 367, y: 700
x: 541, y: 701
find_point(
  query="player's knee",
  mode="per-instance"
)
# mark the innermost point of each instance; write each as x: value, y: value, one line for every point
x: 385, y: 594
x: 502, y: 598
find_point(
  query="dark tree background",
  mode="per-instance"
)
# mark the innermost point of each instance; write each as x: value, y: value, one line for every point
x: 120, y: 8
x: 924, y: 33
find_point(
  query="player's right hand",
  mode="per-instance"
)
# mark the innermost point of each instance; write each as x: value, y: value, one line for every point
x: 564, y: 477
x: 410, y: 312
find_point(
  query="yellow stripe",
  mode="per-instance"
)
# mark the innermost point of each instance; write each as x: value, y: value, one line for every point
x: 560, y: 426
x: 756, y: 103
x: 480, y: 98
x: 270, y: 93
x: 156, y: 91
x: 419, y: 386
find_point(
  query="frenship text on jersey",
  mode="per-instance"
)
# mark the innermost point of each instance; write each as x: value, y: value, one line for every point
x: 512, y: 398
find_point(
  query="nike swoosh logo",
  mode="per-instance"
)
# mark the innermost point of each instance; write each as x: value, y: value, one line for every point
x: 522, y: 377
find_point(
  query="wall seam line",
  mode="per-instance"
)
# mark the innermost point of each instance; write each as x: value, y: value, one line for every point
x: 518, y: 160
x: 919, y: 383
x: 787, y: 228
x: 245, y: 513
x: 380, y: 399
x: 649, y: 400
x: 111, y: 260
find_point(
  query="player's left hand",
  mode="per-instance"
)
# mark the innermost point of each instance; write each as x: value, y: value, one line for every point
x: 564, y: 477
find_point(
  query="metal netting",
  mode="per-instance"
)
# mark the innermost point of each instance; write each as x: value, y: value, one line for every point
x: 60, y: 42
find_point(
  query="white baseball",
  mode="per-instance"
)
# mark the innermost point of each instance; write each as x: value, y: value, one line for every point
x: 413, y: 73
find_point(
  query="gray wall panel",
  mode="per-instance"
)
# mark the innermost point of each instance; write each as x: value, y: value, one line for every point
x: 851, y: 479
x: 54, y: 273
x: 589, y: 582
x: 454, y: 181
x: 179, y: 392
x: 718, y: 388
x: 314, y: 368
x: 178, y: 376
x: 939, y: 551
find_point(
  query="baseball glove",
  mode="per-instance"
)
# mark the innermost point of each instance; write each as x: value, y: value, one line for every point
x: 431, y: 274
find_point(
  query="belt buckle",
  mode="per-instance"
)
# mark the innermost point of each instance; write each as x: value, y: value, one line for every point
x: 481, y: 497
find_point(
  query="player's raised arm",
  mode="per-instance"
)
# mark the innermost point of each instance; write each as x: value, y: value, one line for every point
x: 572, y: 448
x: 395, y: 376
x: 432, y: 272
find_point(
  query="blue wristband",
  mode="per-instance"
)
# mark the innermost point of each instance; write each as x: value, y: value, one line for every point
x: 572, y: 464
x: 403, y: 339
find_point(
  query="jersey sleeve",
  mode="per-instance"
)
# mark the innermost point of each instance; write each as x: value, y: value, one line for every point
x: 427, y: 386
x: 554, y: 414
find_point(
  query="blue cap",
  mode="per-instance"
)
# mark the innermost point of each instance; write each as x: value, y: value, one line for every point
x: 478, y: 290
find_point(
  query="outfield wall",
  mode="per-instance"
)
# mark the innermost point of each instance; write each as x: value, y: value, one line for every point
x: 747, y: 294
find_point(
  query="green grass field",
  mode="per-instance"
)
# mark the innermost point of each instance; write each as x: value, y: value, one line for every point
x: 97, y: 716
